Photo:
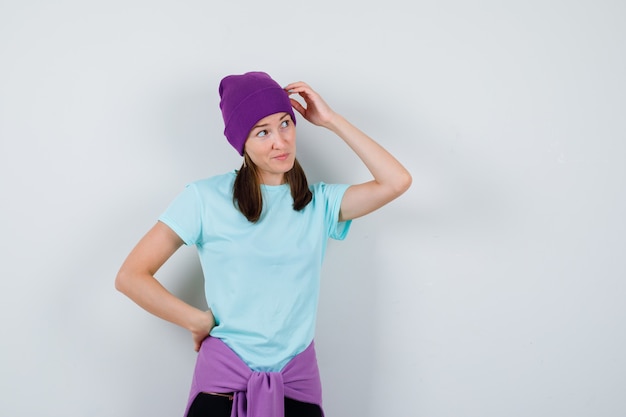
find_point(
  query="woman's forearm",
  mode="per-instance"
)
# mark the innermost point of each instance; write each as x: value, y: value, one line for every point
x: 383, y: 166
x: 149, y: 294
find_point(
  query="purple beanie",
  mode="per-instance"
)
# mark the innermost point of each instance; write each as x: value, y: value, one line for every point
x: 246, y: 99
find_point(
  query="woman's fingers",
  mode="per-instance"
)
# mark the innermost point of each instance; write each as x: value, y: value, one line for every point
x: 299, y: 107
x: 316, y: 110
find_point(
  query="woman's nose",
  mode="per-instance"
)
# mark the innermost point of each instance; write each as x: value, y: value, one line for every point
x: 279, y: 141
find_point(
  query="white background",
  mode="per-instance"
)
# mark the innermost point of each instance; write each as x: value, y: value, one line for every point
x: 494, y: 287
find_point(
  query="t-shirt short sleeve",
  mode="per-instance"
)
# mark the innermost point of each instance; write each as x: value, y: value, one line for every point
x: 333, y: 194
x: 184, y: 215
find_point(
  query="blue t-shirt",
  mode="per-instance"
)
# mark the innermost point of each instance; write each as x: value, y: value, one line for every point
x: 261, y: 279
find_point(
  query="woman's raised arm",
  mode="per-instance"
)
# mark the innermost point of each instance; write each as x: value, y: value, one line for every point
x: 390, y: 180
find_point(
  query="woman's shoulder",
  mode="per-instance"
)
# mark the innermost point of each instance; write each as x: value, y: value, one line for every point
x: 222, y: 183
x: 323, y: 187
x: 323, y: 191
x: 214, y: 181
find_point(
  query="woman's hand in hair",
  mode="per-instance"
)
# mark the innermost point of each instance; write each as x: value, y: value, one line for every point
x: 316, y: 110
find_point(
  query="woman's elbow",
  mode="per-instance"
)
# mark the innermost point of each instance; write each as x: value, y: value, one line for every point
x: 122, y: 281
x: 403, y: 183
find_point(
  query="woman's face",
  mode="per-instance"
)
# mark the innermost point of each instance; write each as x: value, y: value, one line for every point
x: 271, y: 145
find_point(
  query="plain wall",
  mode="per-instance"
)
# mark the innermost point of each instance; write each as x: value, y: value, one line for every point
x: 494, y: 287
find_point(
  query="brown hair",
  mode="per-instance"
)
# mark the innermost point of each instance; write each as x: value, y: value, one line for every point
x: 247, y: 189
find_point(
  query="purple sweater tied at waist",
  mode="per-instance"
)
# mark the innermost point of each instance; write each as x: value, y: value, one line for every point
x: 256, y: 394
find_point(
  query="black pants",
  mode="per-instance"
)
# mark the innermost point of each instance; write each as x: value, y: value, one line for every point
x: 207, y: 405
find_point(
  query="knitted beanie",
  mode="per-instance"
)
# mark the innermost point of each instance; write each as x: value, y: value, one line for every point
x: 245, y: 99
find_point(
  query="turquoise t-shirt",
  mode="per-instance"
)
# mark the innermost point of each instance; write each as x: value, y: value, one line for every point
x: 261, y: 279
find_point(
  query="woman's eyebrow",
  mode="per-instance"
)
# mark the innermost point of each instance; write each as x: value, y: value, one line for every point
x: 267, y: 124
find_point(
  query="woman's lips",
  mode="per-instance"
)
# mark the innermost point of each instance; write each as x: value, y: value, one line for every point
x: 282, y: 156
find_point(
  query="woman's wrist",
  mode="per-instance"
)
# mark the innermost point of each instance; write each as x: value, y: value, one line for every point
x: 201, y: 322
x: 334, y: 123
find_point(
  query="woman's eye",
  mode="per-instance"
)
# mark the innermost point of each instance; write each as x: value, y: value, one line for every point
x: 262, y: 133
x: 284, y: 123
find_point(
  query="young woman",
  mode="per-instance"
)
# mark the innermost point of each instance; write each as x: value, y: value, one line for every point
x: 261, y: 233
